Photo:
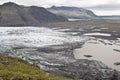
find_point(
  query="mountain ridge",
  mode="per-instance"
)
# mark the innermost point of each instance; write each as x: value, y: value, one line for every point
x: 12, y: 14
x: 72, y: 12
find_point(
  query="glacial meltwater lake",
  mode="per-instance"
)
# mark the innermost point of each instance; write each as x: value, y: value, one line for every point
x: 106, y: 51
x: 72, y: 19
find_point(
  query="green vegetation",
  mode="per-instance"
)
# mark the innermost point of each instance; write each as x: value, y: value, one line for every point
x: 12, y: 68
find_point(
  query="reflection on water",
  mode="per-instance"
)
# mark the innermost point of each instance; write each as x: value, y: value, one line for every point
x: 102, y: 50
x: 72, y: 19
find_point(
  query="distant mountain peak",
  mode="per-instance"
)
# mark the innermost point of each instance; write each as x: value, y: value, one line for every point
x: 72, y: 12
x: 10, y: 4
x: 53, y: 6
x: 65, y: 8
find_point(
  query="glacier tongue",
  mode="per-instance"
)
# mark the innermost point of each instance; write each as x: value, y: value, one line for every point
x: 34, y: 37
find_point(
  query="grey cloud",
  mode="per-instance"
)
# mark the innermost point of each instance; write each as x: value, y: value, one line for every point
x: 105, y: 7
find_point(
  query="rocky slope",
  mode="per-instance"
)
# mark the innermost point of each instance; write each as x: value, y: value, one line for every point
x: 72, y: 12
x: 12, y: 14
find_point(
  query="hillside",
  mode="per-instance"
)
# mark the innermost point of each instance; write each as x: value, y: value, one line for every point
x: 12, y: 68
x: 72, y: 12
x: 12, y: 14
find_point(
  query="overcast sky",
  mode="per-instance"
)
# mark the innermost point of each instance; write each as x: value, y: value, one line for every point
x: 100, y: 7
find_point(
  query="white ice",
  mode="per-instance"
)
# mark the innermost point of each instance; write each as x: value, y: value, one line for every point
x: 34, y: 37
x: 97, y: 34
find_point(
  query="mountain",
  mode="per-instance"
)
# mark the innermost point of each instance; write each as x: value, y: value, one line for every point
x: 12, y: 14
x: 12, y: 68
x: 72, y: 12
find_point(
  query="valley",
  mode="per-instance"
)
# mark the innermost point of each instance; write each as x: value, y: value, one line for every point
x: 60, y: 49
x: 61, y: 42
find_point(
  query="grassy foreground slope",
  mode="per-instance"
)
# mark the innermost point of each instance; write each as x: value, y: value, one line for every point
x: 12, y: 68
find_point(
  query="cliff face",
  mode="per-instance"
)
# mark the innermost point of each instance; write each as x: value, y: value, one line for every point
x: 72, y: 12
x: 12, y: 14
